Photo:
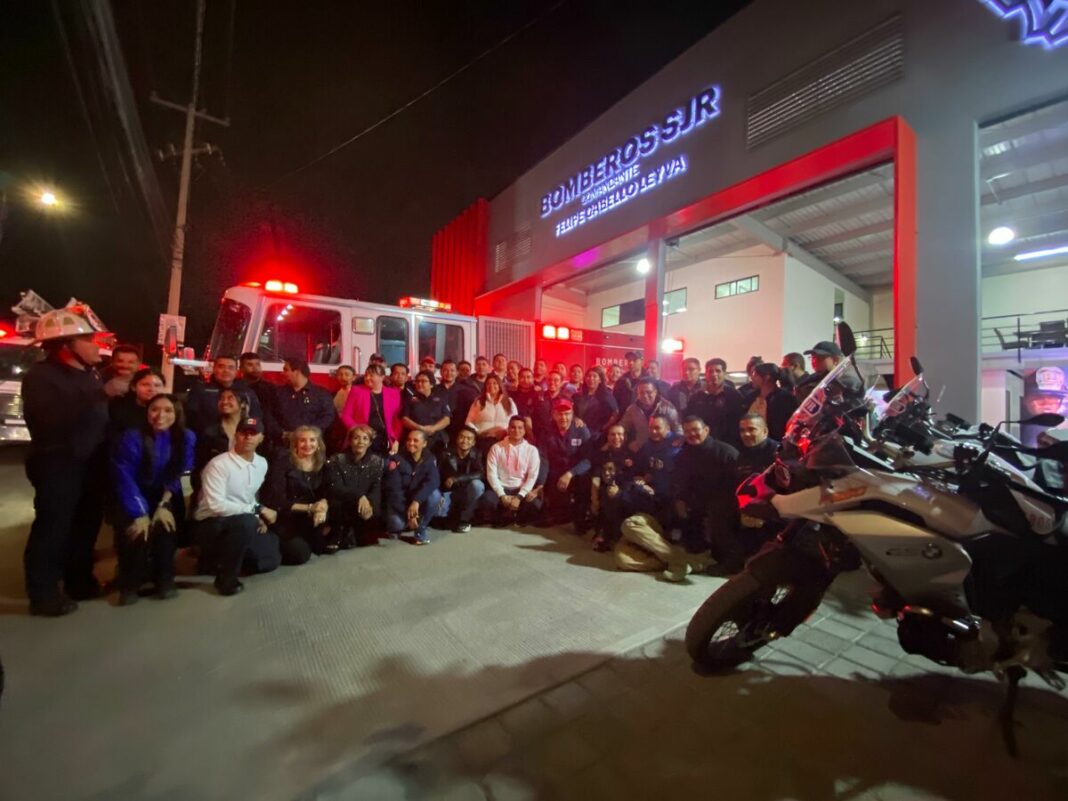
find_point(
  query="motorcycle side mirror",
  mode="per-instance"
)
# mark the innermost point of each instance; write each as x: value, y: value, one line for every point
x: 1045, y: 420
x: 917, y: 368
x: 846, y: 341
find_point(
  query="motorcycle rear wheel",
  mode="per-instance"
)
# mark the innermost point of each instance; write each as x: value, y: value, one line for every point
x: 764, y: 602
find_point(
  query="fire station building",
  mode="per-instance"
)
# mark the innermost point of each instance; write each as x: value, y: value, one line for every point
x: 898, y: 164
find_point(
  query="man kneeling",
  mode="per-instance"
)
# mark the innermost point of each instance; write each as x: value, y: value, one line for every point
x: 511, y: 471
x: 233, y: 531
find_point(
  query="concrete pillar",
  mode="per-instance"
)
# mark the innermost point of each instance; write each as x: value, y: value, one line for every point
x: 654, y: 298
x: 948, y: 291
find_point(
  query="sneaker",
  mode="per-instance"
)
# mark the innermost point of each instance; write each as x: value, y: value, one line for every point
x: 55, y: 607
x: 166, y: 590
x: 462, y: 528
x: 228, y: 586
x: 128, y: 597
x: 421, y: 538
x: 677, y: 573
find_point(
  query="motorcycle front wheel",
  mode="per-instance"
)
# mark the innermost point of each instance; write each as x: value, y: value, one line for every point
x: 766, y: 601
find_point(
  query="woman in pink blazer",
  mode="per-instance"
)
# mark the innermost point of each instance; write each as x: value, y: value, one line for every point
x: 372, y: 404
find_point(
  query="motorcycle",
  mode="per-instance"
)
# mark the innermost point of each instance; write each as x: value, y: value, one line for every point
x: 966, y: 551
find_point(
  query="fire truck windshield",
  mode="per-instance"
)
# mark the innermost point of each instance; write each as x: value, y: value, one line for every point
x: 228, y: 338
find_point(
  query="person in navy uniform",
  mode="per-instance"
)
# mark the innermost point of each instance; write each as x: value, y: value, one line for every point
x: 566, y: 449
x: 654, y: 466
x: 458, y: 393
x: 299, y: 402
x: 66, y: 411
x: 412, y: 494
x: 427, y: 411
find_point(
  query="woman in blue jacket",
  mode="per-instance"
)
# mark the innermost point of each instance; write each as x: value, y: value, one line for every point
x: 147, y: 472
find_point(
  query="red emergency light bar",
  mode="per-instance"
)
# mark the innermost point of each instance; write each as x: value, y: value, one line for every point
x: 424, y: 303
x: 287, y: 287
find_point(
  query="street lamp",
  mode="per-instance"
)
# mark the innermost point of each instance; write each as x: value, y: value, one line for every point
x: 48, y: 199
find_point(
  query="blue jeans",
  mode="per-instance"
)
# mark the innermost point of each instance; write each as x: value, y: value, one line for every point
x: 397, y: 521
x: 462, y: 502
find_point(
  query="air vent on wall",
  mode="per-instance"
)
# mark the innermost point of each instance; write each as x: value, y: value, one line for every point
x: 512, y: 251
x: 847, y: 72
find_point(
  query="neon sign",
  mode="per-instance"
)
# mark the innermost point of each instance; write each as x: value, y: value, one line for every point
x: 1042, y: 22
x: 619, y: 167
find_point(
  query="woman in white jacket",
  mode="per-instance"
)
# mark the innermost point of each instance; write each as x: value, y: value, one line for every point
x: 490, y: 413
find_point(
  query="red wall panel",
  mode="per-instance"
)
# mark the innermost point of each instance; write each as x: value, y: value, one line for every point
x: 458, y: 258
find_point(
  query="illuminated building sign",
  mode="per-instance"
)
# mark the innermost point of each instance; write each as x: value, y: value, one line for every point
x: 617, y: 175
x: 631, y: 184
x: 1042, y: 22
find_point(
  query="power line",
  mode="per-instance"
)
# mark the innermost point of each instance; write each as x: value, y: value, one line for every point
x: 401, y: 109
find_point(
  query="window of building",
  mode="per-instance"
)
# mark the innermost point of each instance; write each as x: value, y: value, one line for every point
x: 675, y: 301
x: 303, y: 332
x: 441, y: 340
x: 632, y: 311
x: 741, y: 286
x: 393, y: 340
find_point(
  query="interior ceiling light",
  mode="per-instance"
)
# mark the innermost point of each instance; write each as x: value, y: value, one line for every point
x: 1001, y: 235
x: 1040, y: 254
x: 643, y: 266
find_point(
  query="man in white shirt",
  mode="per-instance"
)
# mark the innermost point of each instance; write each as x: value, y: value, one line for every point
x: 232, y: 529
x: 512, y: 467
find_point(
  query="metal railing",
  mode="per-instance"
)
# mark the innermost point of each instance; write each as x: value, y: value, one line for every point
x: 1039, y: 330
x: 875, y: 345
x: 997, y: 334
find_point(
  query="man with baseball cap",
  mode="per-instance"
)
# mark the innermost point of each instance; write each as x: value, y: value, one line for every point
x: 566, y: 450
x: 825, y: 356
x: 233, y: 530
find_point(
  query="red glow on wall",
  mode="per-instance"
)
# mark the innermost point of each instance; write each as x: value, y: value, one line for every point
x: 458, y: 258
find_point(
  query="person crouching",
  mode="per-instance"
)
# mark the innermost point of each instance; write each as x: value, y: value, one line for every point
x: 353, y: 483
x: 147, y: 472
x: 295, y: 490
x: 412, y: 495
x: 233, y: 531
x: 462, y: 485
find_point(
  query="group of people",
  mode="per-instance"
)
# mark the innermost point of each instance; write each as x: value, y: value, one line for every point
x: 284, y: 471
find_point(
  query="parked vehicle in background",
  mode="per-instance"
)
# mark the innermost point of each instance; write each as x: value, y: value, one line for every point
x: 17, y: 355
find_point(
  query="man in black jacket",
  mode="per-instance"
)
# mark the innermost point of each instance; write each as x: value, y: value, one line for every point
x: 567, y: 486
x: 705, y: 479
x: 719, y: 404
x: 627, y: 385
x: 458, y: 393
x: 681, y: 391
x: 461, y: 479
x: 66, y: 411
x: 202, y: 405
x: 299, y: 402
x: 825, y: 357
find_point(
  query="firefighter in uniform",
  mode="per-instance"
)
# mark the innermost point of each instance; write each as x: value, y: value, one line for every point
x: 66, y: 411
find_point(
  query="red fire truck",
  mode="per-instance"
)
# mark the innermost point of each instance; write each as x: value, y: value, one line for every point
x: 275, y: 319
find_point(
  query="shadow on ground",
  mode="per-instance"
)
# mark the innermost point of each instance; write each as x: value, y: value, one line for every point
x: 653, y: 728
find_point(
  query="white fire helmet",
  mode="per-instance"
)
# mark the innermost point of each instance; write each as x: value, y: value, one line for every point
x: 73, y: 320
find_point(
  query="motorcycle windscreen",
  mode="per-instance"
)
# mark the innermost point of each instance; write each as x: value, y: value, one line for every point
x: 811, y: 408
x: 915, y: 390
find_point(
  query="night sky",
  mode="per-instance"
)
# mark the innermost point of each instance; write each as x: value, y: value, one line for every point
x: 296, y: 79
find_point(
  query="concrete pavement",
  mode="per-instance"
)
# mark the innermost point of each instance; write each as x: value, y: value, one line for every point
x: 495, y: 664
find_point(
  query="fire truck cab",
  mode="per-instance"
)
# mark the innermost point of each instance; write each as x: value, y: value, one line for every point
x: 275, y: 320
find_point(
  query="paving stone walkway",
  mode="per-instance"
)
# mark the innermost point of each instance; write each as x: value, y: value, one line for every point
x: 837, y: 711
